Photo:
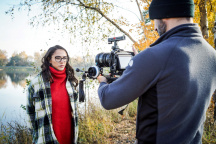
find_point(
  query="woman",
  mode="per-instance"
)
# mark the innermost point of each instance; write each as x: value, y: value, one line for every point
x: 51, y: 103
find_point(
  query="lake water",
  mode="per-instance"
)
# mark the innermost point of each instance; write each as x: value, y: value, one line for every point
x: 13, y: 95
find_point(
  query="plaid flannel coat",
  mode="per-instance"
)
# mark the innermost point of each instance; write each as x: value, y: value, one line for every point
x: 39, y: 111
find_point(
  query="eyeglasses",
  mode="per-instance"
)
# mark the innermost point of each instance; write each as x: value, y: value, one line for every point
x: 59, y: 59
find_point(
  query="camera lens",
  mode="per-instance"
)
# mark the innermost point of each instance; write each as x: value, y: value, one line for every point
x: 103, y: 59
x: 93, y: 72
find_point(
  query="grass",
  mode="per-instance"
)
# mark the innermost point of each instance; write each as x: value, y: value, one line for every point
x: 99, y: 126
x: 14, y: 133
x: 209, y: 134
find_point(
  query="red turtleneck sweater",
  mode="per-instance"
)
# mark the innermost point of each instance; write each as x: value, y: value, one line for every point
x: 61, y: 108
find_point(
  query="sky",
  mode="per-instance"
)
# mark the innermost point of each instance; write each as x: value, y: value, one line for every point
x: 17, y: 35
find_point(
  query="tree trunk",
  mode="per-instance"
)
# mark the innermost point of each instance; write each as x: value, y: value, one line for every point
x: 203, y: 18
x: 214, y: 31
x: 214, y: 95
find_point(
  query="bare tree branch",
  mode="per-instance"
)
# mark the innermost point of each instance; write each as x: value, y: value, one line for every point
x: 142, y: 18
x: 147, y: 2
x: 112, y: 22
x: 141, y: 15
x: 127, y: 10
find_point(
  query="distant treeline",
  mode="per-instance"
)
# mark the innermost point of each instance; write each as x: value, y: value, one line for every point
x: 22, y: 59
x: 17, y: 59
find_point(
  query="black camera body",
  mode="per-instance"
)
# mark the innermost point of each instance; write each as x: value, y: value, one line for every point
x: 117, y: 61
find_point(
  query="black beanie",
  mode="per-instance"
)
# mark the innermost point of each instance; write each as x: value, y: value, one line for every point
x: 160, y: 9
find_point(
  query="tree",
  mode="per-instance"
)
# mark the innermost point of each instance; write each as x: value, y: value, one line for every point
x: 37, y: 59
x: 205, y: 11
x: 24, y: 59
x: 23, y: 55
x: 88, y: 17
x: 85, y: 18
x: 81, y: 62
x: 214, y: 31
x: 14, y: 61
x: 19, y: 59
x: 205, y: 17
x: 3, y: 58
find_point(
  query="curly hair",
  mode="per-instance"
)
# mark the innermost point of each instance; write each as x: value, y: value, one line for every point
x: 46, y: 74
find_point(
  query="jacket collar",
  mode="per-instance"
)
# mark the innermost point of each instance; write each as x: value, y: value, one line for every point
x: 184, y: 30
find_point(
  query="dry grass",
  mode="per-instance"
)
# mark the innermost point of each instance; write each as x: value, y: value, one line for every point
x: 209, y: 134
x: 14, y: 133
x: 97, y: 125
x: 100, y: 126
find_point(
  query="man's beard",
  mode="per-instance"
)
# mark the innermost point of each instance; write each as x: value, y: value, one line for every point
x: 161, y: 27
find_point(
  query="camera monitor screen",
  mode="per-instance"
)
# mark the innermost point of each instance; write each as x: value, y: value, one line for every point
x: 124, y: 60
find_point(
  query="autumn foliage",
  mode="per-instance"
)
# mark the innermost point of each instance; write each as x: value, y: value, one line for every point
x: 204, y: 8
x: 209, y: 9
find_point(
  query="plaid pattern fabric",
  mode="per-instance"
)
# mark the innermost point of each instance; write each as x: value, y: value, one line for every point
x: 39, y: 111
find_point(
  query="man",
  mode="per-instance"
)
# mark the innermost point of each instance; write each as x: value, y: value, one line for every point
x: 173, y: 79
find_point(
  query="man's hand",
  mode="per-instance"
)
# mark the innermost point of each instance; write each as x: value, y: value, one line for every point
x: 134, y: 50
x: 101, y: 78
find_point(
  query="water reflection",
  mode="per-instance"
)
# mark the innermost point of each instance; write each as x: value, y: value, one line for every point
x: 3, y: 80
x: 16, y: 78
x: 13, y: 94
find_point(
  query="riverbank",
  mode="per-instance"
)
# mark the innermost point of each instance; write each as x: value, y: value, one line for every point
x: 17, y: 68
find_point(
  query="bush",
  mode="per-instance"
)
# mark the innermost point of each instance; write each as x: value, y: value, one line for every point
x: 14, y: 133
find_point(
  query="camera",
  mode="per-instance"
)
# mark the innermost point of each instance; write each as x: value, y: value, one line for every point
x: 117, y: 61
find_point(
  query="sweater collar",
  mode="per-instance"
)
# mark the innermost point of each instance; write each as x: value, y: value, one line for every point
x: 185, y: 30
x: 58, y: 75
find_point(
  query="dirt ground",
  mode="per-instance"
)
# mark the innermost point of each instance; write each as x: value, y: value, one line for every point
x: 124, y: 132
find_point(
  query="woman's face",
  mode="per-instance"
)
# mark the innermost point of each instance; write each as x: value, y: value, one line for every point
x: 59, y: 59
